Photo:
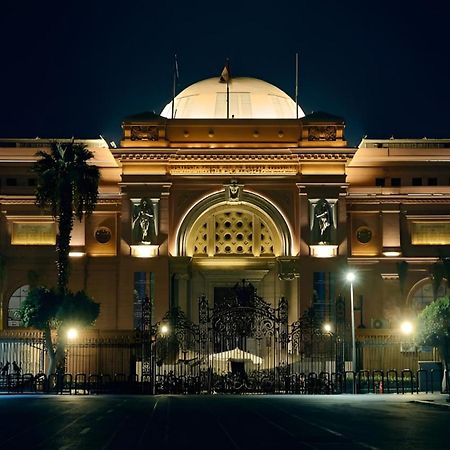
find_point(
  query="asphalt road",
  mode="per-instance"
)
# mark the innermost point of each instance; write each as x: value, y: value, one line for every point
x: 221, y: 422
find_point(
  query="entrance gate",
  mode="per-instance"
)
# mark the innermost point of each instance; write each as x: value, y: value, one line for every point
x: 243, y: 344
x: 238, y: 345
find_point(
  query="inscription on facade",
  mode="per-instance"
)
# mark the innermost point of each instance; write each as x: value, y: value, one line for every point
x: 27, y: 233
x: 430, y: 233
x: 233, y: 170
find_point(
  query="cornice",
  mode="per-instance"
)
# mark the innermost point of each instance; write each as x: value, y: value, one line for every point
x: 204, y: 157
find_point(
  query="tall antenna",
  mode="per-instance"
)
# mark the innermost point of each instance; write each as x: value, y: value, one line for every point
x: 296, y: 85
x: 176, y: 76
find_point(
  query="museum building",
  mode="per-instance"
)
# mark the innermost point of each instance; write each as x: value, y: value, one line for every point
x: 232, y: 182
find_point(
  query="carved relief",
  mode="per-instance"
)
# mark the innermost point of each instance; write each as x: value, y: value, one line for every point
x: 144, y: 133
x: 322, y: 133
x: 233, y: 191
x: 288, y: 268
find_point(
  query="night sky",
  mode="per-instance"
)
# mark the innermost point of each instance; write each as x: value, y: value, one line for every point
x: 76, y: 68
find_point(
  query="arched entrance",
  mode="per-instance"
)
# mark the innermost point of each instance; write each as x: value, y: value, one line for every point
x: 229, y: 239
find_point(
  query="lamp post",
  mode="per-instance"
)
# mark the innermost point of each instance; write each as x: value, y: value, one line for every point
x: 351, y: 278
x: 327, y: 329
x: 158, y: 352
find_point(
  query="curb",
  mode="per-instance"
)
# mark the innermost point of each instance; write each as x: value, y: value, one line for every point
x: 432, y: 403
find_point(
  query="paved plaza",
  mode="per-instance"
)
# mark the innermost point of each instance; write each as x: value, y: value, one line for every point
x: 225, y: 422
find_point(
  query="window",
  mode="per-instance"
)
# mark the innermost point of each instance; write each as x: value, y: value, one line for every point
x: 15, y: 301
x: 32, y: 182
x: 381, y: 182
x: 323, y: 294
x: 396, y: 182
x: 432, y: 181
x: 144, y: 290
x: 11, y: 182
x: 423, y: 295
x: 234, y: 232
x: 417, y: 181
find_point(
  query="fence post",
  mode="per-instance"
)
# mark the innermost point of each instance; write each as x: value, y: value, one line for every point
x: 403, y: 372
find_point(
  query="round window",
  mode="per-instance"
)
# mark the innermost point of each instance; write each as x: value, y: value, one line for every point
x: 364, y: 235
x: 103, y: 235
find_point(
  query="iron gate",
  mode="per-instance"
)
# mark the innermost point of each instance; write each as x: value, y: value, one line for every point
x: 244, y: 341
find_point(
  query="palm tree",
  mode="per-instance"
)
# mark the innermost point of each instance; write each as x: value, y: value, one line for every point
x: 68, y: 186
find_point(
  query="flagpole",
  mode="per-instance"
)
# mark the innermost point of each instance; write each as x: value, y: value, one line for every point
x: 228, y: 99
x: 225, y: 77
x: 296, y: 85
x: 228, y: 89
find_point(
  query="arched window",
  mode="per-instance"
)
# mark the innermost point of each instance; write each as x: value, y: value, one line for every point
x: 14, y: 303
x: 422, y: 294
x: 234, y: 230
x: 220, y: 225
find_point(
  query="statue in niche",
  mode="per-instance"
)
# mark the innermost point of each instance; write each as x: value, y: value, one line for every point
x: 323, y: 222
x: 144, y: 222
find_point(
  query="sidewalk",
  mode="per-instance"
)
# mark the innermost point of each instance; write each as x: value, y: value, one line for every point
x: 437, y: 400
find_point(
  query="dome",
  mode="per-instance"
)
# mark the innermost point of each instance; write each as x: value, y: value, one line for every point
x: 250, y: 98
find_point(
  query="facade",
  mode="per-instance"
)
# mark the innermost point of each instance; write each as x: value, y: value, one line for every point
x: 193, y: 202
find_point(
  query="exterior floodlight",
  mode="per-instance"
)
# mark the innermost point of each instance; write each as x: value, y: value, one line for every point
x: 327, y: 327
x: 350, y: 277
x: 164, y: 329
x: 76, y: 254
x: 72, y: 334
x: 406, y: 327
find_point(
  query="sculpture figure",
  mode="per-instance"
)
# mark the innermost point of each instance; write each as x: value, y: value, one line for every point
x: 323, y: 221
x: 144, y: 226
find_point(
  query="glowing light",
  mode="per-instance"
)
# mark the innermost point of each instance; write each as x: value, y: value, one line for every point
x: 327, y: 327
x: 391, y: 253
x: 164, y: 329
x: 76, y: 254
x: 323, y: 251
x: 406, y: 327
x: 72, y: 334
x: 351, y: 277
x: 144, y: 251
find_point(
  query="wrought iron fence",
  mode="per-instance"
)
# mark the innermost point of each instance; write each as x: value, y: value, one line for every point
x: 243, y: 344
x: 325, y: 383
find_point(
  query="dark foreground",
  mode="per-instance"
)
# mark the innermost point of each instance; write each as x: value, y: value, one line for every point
x: 221, y: 422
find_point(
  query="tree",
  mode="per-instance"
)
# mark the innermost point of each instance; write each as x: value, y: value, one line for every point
x: 68, y: 186
x: 434, y: 328
x: 46, y: 309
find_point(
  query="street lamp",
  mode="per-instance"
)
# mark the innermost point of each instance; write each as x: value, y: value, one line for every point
x: 351, y: 278
x: 72, y: 334
x: 406, y: 327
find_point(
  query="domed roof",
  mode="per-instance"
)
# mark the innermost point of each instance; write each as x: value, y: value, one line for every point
x: 250, y: 98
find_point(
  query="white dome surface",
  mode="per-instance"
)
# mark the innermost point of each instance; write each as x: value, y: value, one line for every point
x: 250, y: 98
